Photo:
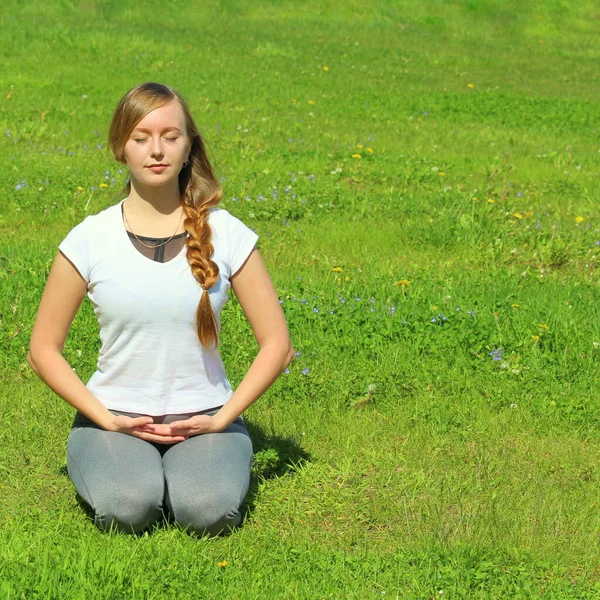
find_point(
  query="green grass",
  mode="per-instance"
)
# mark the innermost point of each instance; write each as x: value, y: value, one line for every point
x: 397, y: 458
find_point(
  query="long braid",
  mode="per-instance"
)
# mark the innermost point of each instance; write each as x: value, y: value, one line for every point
x: 201, y: 192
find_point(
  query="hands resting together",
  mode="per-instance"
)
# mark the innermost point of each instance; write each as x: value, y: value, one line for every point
x: 177, y: 431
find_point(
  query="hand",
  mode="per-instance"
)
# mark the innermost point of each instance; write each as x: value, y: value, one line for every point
x: 186, y: 428
x: 143, y: 427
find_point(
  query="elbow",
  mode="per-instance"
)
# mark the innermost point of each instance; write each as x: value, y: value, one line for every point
x: 31, y: 362
x: 289, y: 355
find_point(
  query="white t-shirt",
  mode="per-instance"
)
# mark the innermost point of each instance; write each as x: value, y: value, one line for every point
x: 151, y: 361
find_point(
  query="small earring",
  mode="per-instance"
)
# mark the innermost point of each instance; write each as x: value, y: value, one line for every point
x: 186, y: 163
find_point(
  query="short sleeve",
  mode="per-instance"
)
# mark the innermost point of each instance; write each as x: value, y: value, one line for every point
x: 240, y: 242
x: 76, y: 248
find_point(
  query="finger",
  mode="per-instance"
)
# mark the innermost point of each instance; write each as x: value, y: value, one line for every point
x: 159, y: 439
x: 156, y: 428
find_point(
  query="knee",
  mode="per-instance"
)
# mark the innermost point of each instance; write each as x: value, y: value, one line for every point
x: 209, y: 514
x: 128, y: 510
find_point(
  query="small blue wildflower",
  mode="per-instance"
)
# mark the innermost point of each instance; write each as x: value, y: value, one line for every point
x: 304, y: 301
x: 434, y: 320
x: 288, y: 189
x: 99, y: 146
x: 357, y: 299
x: 470, y: 312
x: 372, y: 309
x: 281, y: 301
x: 261, y: 197
x: 497, y: 353
x: 315, y: 310
x: 290, y: 141
x: 298, y: 353
x: 458, y: 309
x: 519, y: 194
x: 371, y: 300
x: 311, y: 177
x: 305, y: 371
x: 234, y: 199
x: 287, y: 371
x: 598, y: 243
x: 330, y: 312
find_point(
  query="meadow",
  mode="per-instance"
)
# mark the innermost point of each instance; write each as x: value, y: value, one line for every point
x: 424, y: 181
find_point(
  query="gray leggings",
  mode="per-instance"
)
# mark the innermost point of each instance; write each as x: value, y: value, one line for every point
x: 130, y: 483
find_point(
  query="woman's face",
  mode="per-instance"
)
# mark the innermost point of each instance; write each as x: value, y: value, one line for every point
x: 158, y: 146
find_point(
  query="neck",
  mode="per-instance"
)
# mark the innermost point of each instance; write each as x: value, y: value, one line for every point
x: 152, y: 202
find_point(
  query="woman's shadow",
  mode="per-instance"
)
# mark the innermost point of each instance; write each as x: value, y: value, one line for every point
x: 274, y: 456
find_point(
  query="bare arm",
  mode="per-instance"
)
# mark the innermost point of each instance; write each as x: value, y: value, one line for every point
x: 62, y: 297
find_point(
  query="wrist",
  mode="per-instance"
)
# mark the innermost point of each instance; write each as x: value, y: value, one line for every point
x: 220, y: 422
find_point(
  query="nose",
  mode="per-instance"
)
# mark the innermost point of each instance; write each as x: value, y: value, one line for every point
x: 157, y: 149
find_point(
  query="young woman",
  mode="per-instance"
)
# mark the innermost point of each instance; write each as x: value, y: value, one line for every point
x: 158, y: 428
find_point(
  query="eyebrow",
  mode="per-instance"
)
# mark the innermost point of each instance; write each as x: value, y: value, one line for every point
x: 165, y: 129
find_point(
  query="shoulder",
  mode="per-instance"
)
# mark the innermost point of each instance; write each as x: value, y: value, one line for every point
x: 100, y: 220
x: 224, y: 223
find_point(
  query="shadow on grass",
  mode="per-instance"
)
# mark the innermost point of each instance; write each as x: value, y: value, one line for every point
x: 274, y: 456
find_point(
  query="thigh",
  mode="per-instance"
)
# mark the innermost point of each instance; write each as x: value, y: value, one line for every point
x: 208, y: 475
x: 110, y: 467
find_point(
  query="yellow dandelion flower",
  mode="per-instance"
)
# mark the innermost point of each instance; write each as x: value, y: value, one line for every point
x: 470, y: 85
x: 528, y: 214
x: 402, y: 282
x: 579, y: 219
x: 491, y: 200
x: 543, y: 326
x: 325, y: 68
x: 356, y: 156
x: 514, y: 306
x: 474, y: 199
x: 370, y: 150
x: 441, y: 173
x: 337, y: 270
x: 103, y: 186
x: 346, y: 278
x: 535, y: 338
x: 518, y: 215
x: 222, y: 564
x: 311, y: 102
x: 79, y: 188
x: 359, y: 146
x: 435, y: 307
x: 294, y: 100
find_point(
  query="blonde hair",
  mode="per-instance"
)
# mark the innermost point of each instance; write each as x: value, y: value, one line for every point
x: 200, y: 191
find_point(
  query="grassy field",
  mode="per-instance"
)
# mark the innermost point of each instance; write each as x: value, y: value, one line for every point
x: 424, y: 181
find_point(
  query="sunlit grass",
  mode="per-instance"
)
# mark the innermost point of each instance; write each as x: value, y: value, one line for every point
x: 423, y: 180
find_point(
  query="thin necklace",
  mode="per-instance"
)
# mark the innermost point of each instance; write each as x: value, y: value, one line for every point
x: 140, y: 241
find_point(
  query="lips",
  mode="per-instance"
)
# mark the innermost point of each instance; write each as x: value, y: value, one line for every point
x: 158, y: 168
